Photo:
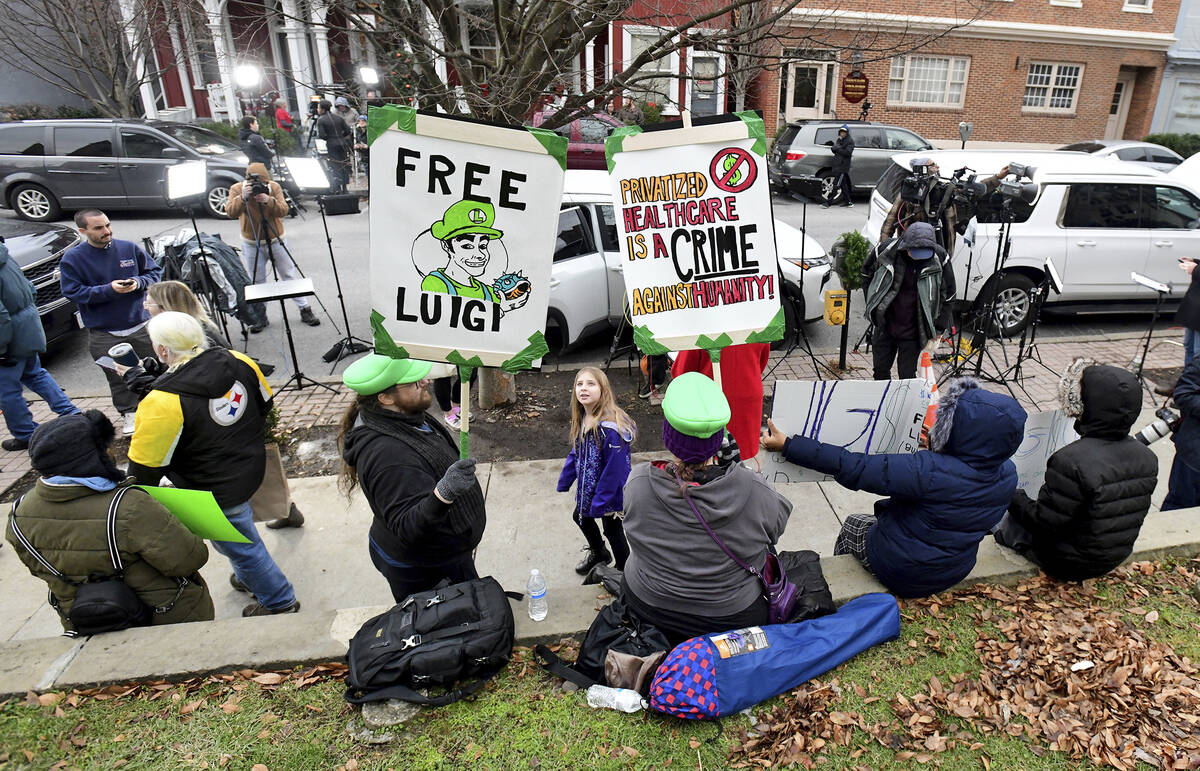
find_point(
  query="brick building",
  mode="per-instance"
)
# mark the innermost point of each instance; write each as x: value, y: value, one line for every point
x: 1045, y: 71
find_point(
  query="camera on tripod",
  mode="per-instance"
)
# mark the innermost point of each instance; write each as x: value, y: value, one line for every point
x: 916, y: 186
x: 257, y: 185
x: 1166, y: 420
x: 1016, y: 190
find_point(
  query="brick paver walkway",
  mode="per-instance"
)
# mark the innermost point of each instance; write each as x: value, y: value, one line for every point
x: 314, y: 406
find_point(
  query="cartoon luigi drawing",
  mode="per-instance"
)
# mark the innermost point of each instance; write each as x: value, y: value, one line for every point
x: 467, y: 235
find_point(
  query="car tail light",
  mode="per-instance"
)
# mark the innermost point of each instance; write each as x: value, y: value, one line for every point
x: 795, y: 156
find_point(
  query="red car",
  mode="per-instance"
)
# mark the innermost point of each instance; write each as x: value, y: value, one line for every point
x: 585, y: 137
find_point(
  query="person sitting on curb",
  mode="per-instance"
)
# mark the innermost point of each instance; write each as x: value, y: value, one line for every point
x: 64, y: 517
x: 942, y: 501
x: 428, y: 505
x: 1097, y: 490
x: 202, y: 426
x: 677, y: 577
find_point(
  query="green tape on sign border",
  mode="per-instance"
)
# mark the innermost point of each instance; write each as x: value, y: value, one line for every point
x: 380, y: 119
x: 643, y: 338
x: 524, y: 359
x: 384, y: 344
x: 456, y: 358
x: 756, y: 129
x: 770, y: 333
x: 554, y: 144
x: 616, y: 141
x: 710, y: 344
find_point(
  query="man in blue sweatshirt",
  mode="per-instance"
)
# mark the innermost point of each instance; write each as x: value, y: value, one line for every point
x: 107, y: 279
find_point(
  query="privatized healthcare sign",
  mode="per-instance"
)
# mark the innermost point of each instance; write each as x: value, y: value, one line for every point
x: 463, y: 225
x: 696, y: 233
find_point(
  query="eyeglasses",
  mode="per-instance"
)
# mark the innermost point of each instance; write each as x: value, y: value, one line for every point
x: 418, y: 384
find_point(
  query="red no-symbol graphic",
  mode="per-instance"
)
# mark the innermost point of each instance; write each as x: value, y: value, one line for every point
x: 733, y: 169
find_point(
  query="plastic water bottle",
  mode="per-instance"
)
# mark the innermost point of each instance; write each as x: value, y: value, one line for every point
x: 625, y: 700
x: 536, y: 589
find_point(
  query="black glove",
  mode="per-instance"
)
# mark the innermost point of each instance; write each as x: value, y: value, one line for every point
x: 7, y: 361
x: 457, y: 481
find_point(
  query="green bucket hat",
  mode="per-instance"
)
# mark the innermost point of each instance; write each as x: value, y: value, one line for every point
x: 374, y: 373
x: 465, y: 217
x: 695, y: 406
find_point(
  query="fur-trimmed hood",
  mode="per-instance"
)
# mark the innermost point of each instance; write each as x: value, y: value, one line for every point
x: 978, y: 427
x: 1104, y: 400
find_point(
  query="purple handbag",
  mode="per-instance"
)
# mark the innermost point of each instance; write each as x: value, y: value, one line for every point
x: 779, y: 591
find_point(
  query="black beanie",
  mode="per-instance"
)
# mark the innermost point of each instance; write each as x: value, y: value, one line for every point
x: 75, y: 446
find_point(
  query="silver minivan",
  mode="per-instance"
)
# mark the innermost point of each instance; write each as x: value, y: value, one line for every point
x: 48, y: 166
x: 1095, y: 219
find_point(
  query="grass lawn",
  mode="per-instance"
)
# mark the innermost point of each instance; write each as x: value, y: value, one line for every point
x: 979, y: 679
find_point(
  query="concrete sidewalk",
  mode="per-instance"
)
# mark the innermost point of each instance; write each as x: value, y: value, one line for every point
x: 529, y: 526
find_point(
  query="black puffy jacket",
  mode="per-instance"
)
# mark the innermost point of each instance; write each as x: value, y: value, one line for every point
x: 1097, y: 489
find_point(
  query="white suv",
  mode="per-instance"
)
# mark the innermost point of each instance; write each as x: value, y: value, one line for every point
x: 587, y: 289
x: 1096, y: 219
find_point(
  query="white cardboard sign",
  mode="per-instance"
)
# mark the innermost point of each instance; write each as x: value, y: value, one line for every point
x: 463, y: 225
x: 870, y: 416
x: 697, y: 237
x: 884, y: 416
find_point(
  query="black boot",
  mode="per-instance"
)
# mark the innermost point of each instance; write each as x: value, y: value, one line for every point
x: 293, y: 519
x: 592, y: 558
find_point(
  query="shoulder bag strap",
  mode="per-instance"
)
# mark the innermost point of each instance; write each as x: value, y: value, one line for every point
x: 709, y: 530
x: 12, y: 521
x: 549, y: 661
x: 111, y: 531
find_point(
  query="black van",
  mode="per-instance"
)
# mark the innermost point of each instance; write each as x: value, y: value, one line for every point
x: 48, y: 166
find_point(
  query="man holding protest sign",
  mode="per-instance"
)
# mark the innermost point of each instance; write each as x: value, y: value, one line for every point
x: 428, y: 505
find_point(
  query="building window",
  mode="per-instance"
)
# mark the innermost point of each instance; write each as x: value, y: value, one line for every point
x: 661, y: 89
x: 1052, y: 87
x: 1138, y: 6
x: 479, y: 38
x: 939, y: 81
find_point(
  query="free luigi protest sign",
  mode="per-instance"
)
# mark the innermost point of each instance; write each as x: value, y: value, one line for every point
x: 463, y: 225
x: 696, y: 233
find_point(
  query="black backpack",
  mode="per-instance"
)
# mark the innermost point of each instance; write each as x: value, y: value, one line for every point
x: 433, y: 638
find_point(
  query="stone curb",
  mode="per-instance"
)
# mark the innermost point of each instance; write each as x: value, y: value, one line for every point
x: 284, y: 641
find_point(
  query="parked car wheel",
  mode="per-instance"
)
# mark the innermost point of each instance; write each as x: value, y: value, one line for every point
x: 216, y: 199
x: 35, y: 203
x: 1012, y: 294
x: 828, y: 180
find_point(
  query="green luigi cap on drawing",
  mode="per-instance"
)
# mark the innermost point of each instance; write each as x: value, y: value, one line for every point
x: 466, y: 217
x: 374, y: 373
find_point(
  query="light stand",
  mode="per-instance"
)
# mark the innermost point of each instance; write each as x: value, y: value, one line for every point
x: 1162, y: 290
x: 189, y: 180
x: 308, y: 175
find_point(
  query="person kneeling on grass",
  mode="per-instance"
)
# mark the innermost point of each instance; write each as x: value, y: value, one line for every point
x: 942, y: 502
x: 1097, y: 490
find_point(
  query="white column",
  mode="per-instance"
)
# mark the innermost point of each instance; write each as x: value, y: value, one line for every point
x: 302, y: 72
x: 589, y: 66
x: 128, y: 21
x: 317, y: 15
x: 215, y: 12
x: 181, y: 63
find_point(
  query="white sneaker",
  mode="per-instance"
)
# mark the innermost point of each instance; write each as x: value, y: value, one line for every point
x: 453, y: 418
x: 129, y: 421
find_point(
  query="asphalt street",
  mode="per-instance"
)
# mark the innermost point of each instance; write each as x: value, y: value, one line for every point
x: 350, y: 234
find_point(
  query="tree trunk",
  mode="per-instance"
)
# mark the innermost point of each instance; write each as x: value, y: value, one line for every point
x: 496, y: 387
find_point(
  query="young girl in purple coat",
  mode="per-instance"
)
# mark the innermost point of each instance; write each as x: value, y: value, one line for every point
x: 601, y: 433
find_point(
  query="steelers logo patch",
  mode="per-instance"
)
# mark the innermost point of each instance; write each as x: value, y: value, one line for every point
x: 477, y: 216
x: 228, y: 409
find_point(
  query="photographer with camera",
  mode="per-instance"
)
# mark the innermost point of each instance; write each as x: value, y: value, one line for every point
x: 1183, y: 488
x: 259, y: 206
x: 253, y: 144
x: 909, y: 284
x: 926, y: 197
x: 1097, y: 489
